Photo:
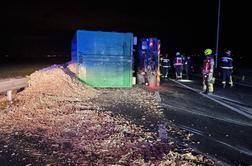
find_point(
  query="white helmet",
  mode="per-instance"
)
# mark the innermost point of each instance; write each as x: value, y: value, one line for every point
x: 177, y: 53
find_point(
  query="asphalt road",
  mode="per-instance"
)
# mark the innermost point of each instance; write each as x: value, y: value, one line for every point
x: 221, y: 123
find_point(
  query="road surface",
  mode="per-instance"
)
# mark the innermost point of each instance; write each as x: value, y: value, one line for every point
x: 221, y: 123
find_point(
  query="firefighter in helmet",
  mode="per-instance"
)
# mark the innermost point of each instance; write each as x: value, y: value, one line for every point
x: 207, y: 71
x: 178, y: 65
x: 165, y: 64
x: 227, y: 68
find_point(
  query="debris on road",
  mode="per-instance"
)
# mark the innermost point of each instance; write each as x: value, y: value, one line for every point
x: 58, y: 120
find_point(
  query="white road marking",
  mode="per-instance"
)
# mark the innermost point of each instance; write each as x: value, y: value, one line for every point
x: 229, y: 120
x: 201, y: 133
x: 185, y: 80
x: 243, y: 110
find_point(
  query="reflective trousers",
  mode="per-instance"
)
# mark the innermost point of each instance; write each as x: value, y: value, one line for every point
x: 208, y: 82
x: 179, y: 70
x: 227, y: 75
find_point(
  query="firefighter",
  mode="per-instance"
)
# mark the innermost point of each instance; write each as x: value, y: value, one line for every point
x: 165, y: 66
x: 178, y: 65
x: 227, y: 68
x: 208, y: 70
x: 187, y: 65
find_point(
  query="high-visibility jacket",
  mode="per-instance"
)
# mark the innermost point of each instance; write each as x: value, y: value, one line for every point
x: 208, y: 65
x: 226, y: 62
x: 165, y: 62
x: 178, y: 61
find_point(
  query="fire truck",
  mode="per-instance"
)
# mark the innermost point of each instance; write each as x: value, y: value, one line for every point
x: 148, y: 68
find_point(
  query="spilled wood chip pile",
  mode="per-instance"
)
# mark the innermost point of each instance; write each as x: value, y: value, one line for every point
x: 59, y: 121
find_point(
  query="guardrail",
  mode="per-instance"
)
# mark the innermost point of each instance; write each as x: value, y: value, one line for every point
x: 8, y: 85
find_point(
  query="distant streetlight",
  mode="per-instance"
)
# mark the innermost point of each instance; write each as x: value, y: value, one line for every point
x: 217, y: 34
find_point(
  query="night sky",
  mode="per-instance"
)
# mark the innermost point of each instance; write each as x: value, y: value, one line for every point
x: 36, y: 29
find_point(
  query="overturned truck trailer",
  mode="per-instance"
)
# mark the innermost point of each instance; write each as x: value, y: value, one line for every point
x: 103, y: 59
